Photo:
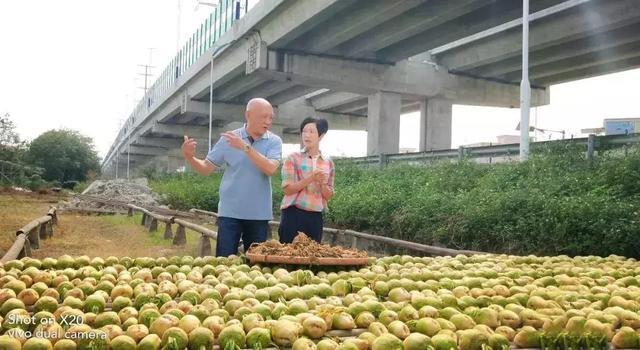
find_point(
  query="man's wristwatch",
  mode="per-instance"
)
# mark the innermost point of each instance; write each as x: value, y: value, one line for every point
x: 246, y: 148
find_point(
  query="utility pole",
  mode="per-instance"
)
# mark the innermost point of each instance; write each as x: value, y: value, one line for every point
x: 525, y: 86
x: 128, y: 158
x: 147, y: 67
x: 120, y: 125
x: 146, y: 75
x: 178, y: 28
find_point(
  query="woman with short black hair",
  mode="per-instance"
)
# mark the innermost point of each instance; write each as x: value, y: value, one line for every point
x: 307, y: 182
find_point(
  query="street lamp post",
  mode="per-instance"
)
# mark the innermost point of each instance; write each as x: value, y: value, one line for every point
x: 525, y: 88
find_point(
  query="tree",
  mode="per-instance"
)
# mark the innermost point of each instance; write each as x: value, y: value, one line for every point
x: 13, y: 171
x: 11, y: 148
x: 64, y: 155
x: 8, y: 134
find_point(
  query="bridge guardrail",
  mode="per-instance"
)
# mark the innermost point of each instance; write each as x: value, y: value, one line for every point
x: 200, y: 42
x: 591, y: 145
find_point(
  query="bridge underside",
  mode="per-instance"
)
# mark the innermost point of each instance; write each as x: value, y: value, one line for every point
x: 360, y: 64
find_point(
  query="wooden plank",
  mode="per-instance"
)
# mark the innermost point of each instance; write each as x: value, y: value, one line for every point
x: 205, y: 212
x: 147, y: 221
x: 43, y: 231
x: 354, y: 242
x: 53, y: 213
x: 28, y: 237
x: 26, y: 249
x: 50, y: 229
x: 173, y: 213
x: 204, y: 246
x: 200, y: 229
x: 334, y: 239
x: 33, y: 237
x: 34, y: 224
x: 147, y: 213
x: 411, y: 245
x: 153, y: 226
x: 180, y: 237
x: 200, y: 213
x: 93, y: 211
x: 168, y: 233
x: 124, y: 204
x: 15, y: 249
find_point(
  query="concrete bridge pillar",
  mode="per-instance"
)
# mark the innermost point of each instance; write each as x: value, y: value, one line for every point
x: 435, y: 124
x: 383, y: 123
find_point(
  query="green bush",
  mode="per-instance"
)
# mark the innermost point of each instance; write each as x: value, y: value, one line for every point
x: 81, y: 186
x: 555, y: 203
x: 35, y: 182
x: 189, y: 190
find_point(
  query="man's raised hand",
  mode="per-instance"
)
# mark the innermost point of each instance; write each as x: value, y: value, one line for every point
x: 189, y: 147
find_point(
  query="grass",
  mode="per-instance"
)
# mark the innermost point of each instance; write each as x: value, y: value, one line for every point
x: 157, y: 238
x: 18, y: 209
x: 112, y: 235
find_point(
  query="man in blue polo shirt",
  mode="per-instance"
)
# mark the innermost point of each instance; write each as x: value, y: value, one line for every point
x: 251, y: 155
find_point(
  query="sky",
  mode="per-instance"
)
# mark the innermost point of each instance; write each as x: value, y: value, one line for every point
x: 76, y: 64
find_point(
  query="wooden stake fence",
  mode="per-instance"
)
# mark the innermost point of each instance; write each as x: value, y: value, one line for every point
x: 29, y: 236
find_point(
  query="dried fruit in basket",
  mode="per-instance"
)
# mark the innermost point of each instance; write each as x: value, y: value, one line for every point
x: 303, y: 246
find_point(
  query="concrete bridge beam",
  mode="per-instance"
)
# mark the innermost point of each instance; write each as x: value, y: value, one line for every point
x: 567, y: 26
x: 331, y: 100
x: 409, y: 78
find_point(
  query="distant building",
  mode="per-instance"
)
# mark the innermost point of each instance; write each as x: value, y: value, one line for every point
x: 480, y: 144
x: 501, y: 140
x: 508, y: 139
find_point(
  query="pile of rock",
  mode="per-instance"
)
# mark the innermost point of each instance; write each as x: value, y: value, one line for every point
x: 111, y: 194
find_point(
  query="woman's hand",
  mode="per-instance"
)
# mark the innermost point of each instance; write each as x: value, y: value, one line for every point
x: 319, y: 176
x: 323, y: 178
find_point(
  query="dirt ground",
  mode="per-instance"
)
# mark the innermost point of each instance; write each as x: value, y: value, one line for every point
x: 103, y: 236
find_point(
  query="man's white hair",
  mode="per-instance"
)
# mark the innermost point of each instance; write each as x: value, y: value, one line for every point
x: 257, y: 101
